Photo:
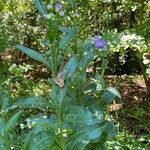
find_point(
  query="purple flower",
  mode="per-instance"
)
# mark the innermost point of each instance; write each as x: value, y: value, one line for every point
x: 98, y: 43
x: 58, y: 6
x: 96, y: 37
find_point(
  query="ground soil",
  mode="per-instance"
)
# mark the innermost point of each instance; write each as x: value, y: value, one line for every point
x: 132, y: 111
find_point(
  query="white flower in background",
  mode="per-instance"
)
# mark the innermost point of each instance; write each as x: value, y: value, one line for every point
x: 49, y: 6
x: 61, y: 13
x: 76, y: 14
x: 48, y: 16
x: 146, y: 61
x: 22, y: 126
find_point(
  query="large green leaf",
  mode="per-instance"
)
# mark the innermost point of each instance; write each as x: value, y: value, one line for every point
x: 39, y: 7
x: 82, y: 135
x: 68, y: 37
x: 11, y: 123
x: 33, y: 54
x: 95, y: 133
x: 42, y: 141
x: 77, y: 114
x: 31, y: 102
x: 70, y: 66
x: 58, y: 95
x: 85, y: 127
x: 49, y: 123
x: 110, y: 94
x: 77, y: 141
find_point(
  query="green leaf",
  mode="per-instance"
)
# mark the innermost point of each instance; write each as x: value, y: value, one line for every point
x: 1, y: 145
x: 86, y: 58
x: 31, y: 102
x: 110, y: 94
x: 110, y: 130
x: 147, y: 146
x: 2, y: 124
x: 40, y: 7
x: 87, y: 46
x: 77, y: 114
x: 11, y: 123
x: 95, y: 133
x: 42, y: 140
x: 100, y: 146
x: 82, y: 135
x: 58, y: 94
x: 72, y: 3
x: 4, y: 100
x: 77, y: 141
x: 104, y: 63
x: 33, y: 54
x: 70, y: 66
x: 68, y: 37
x: 85, y: 128
x: 63, y: 29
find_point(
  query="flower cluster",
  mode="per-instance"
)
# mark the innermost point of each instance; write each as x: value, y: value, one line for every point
x: 58, y: 9
x: 98, y: 42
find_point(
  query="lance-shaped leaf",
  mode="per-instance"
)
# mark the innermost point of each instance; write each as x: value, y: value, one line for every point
x: 110, y: 94
x: 86, y: 58
x: 11, y: 122
x: 68, y: 37
x: 58, y: 95
x: 70, y: 67
x: 30, y: 102
x: 62, y: 29
x: 40, y: 7
x: 33, y: 54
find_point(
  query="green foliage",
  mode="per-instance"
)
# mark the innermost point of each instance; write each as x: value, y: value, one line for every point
x: 72, y: 3
x: 68, y: 37
x: 11, y: 123
x: 33, y: 54
x: 72, y: 114
x: 39, y: 7
x: 70, y: 66
x: 30, y: 102
x: 110, y: 94
x: 73, y: 123
x: 125, y: 141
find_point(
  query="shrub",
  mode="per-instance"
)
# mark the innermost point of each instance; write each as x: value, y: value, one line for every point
x: 72, y: 116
